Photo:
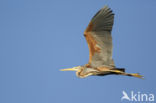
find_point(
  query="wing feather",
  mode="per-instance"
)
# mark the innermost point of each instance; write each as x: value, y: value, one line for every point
x: 98, y: 36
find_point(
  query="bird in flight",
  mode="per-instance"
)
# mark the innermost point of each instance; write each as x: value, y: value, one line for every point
x: 99, y: 39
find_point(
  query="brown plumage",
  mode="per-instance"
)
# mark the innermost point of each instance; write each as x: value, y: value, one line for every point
x: 99, y: 39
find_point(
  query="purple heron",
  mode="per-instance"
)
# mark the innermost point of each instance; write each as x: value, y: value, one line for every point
x: 99, y: 39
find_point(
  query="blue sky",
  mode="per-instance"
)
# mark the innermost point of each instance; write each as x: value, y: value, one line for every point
x: 39, y: 37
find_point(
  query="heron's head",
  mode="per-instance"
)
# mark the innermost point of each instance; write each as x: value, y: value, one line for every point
x: 78, y: 68
x: 80, y: 72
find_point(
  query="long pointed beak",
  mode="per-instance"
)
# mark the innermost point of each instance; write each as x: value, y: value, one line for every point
x: 69, y: 69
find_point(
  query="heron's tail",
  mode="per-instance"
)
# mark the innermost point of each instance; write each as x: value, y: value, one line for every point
x: 120, y: 69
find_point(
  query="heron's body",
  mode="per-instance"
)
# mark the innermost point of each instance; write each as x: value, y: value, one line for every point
x: 99, y: 39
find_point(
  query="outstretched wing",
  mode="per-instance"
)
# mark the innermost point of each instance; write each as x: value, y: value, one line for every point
x: 98, y: 36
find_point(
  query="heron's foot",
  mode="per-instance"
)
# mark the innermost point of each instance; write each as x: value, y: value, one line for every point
x: 136, y: 75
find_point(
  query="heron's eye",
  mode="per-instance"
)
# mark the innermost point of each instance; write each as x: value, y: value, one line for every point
x: 84, y: 35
